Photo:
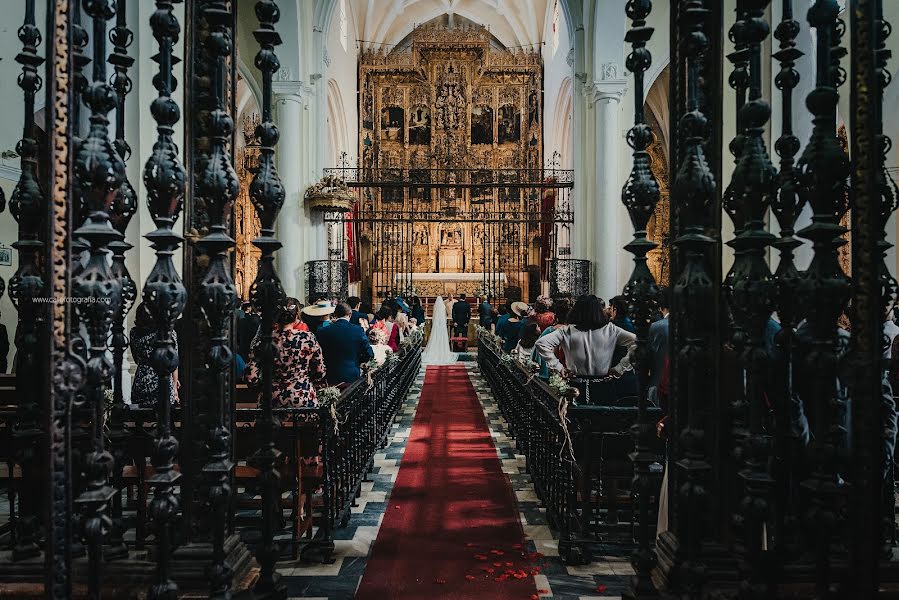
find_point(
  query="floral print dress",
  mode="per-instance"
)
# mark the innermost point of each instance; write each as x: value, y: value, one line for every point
x: 299, y: 367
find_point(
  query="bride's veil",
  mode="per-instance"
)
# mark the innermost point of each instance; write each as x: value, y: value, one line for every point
x: 438, y: 351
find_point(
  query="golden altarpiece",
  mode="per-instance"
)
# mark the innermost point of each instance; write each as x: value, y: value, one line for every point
x: 452, y: 191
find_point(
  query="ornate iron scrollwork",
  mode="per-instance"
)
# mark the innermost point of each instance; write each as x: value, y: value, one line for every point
x: 27, y: 206
x: 692, y: 193
x: 123, y: 208
x: 100, y: 171
x: 163, y: 292
x: 218, y: 187
x: 823, y: 289
x: 751, y: 288
x: 266, y: 294
x: 640, y: 195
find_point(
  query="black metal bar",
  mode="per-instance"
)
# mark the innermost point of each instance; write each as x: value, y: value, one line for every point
x: 100, y: 171
x: 873, y: 198
x: 164, y: 293
x: 123, y: 208
x: 218, y: 186
x: 823, y: 290
x: 786, y: 206
x: 693, y: 191
x: 27, y: 205
x: 751, y: 288
x: 266, y: 294
x: 640, y: 195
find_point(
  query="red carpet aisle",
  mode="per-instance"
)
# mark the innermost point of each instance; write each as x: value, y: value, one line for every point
x: 452, y: 528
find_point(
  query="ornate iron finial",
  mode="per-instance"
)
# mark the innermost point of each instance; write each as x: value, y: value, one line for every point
x: 823, y: 289
x: 640, y: 195
x: 692, y: 194
x: 752, y: 290
x: 218, y: 186
x: 163, y: 293
x: 123, y: 208
x: 786, y: 206
x: 27, y: 207
x: 100, y: 171
x: 266, y: 294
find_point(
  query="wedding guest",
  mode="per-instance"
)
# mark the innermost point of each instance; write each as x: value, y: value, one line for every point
x: 589, y: 343
x: 145, y: 387
x: 369, y: 311
x: 530, y: 331
x: 561, y: 309
x: 315, y: 315
x: 543, y: 314
x: 503, y: 312
x: 298, y: 365
x: 511, y: 330
x: 658, y: 343
x: 345, y: 346
x: 400, y: 329
x: 418, y: 311
x: 358, y: 316
x: 618, y: 313
x: 379, y: 346
x: 485, y: 313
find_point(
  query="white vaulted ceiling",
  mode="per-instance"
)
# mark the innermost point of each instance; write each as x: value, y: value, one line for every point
x: 512, y: 22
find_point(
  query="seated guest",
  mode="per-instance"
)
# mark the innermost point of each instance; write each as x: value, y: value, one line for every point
x: 145, y: 387
x: 368, y: 310
x: 298, y: 361
x: 589, y: 343
x: 379, y: 344
x: 345, y: 347
x: 511, y: 330
x: 384, y: 320
x: 561, y: 308
x: 530, y: 331
x: 401, y: 328
x: 315, y: 315
x: 543, y: 315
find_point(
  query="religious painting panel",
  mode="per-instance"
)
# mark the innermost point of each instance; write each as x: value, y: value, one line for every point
x: 482, y: 125
x: 420, y: 126
x: 392, y: 124
x: 508, y: 125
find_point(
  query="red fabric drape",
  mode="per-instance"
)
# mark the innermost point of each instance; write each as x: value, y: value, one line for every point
x: 353, y: 268
x: 547, y: 204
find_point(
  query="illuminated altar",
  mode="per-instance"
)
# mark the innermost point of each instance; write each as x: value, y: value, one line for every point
x: 451, y: 178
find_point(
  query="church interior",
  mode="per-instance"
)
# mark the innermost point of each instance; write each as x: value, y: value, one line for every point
x: 487, y: 299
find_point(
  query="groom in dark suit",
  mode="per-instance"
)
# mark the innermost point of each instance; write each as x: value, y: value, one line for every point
x: 461, y: 317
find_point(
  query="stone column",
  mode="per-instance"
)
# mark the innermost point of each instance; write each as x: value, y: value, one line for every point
x: 295, y: 227
x: 604, y: 245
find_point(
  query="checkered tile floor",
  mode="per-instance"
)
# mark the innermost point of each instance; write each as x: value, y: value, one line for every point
x: 605, y: 578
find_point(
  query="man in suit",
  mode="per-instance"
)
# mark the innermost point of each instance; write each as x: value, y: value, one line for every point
x: 355, y: 302
x: 485, y: 313
x: 344, y: 346
x: 658, y: 343
x: 461, y: 317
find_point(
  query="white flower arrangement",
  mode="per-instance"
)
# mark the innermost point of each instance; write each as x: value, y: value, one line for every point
x: 328, y: 394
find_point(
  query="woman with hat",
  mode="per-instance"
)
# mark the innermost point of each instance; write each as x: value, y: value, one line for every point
x: 298, y: 361
x: 511, y: 331
x: 316, y: 314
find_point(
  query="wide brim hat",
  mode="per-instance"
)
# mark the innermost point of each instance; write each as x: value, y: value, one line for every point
x: 319, y: 309
x: 520, y: 308
x: 403, y: 306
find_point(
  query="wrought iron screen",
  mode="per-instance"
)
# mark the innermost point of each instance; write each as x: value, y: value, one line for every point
x: 569, y: 276
x: 328, y: 278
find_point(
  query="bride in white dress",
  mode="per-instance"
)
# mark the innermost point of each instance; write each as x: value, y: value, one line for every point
x: 438, y: 350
